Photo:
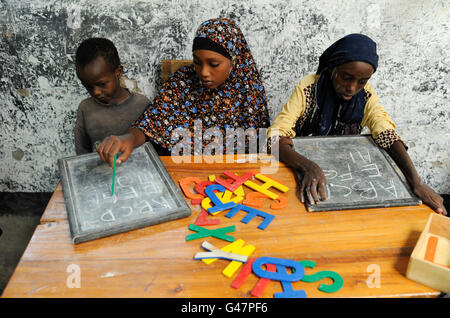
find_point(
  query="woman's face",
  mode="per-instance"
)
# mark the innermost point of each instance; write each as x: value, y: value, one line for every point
x: 349, y: 78
x: 211, y: 67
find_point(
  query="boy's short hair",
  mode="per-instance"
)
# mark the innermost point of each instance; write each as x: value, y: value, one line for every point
x: 92, y: 48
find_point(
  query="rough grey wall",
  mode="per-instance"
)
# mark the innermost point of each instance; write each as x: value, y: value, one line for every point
x: 39, y: 91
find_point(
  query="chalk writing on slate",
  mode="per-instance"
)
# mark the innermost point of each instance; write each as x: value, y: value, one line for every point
x: 144, y: 194
x: 359, y: 174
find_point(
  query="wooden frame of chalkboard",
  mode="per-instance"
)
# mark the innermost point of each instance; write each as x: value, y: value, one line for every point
x: 359, y: 173
x: 144, y: 194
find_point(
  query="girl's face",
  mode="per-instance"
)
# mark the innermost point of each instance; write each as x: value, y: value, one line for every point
x: 101, y: 82
x: 211, y: 67
x: 349, y: 78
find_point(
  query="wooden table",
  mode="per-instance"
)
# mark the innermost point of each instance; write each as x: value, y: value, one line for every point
x: 157, y: 261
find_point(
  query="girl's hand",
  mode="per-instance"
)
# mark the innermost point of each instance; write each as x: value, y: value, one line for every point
x: 430, y: 198
x: 313, y: 183
x: 398, y: 152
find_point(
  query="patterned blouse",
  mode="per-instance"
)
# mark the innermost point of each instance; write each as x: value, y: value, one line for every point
x: 183, y: 103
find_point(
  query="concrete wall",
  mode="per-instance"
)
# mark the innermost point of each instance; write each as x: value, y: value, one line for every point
x: 39, y: 90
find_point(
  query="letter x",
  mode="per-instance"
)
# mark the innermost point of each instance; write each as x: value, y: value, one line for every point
x: 217, y: 233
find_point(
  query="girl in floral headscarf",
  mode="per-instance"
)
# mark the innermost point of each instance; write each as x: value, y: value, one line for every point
x: 222, y: 90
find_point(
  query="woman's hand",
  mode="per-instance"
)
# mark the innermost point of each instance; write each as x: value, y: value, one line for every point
x: 430, y: 198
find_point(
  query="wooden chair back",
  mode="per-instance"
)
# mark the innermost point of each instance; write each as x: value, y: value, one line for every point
x: 168, y: 67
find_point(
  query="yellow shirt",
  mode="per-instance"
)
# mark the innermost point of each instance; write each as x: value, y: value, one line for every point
x: 303, y: 102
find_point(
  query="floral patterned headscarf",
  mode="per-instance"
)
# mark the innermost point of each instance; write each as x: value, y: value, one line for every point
x: 240, y: 102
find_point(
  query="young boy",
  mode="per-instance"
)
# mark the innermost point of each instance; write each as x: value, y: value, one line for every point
x: 111, y: 109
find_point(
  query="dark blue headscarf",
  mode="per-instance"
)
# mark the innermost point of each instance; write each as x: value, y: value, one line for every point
x: 353, y: 47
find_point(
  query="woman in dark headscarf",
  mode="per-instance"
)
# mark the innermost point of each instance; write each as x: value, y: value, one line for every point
x: 222, y: 89
x: 338, y: 100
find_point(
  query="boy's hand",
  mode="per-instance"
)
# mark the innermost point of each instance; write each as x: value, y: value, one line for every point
x: 113, y: 145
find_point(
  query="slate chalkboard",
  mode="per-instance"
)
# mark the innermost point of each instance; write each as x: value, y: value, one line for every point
x: 359, y: 173
x: 144, y: 194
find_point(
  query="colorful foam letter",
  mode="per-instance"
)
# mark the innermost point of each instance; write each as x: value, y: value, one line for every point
x: 237, y: 247
x: 261, y: 284
x: 238, y: 180
x: 296, y: 275
x: 218, y: 205
x: 206, y: 203
x: 239, y: 191
x: 203, y: 219
x: 251, y: 214
x: 251, y: 199
x: 280, y: 205
x: 337, y: 284
x: 224, y: 197
x: 217, y: 233
x: 281, y: 275
x: 215, y: 253
x: 268, y: 183
x: 200, y: 187
x: 288, y: 290
x: 196, y: 201
x: 184, y: 184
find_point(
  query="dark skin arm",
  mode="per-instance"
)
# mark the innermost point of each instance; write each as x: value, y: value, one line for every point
x: 399, y: 154
x: 314, y: 181
x: 125, y: 144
